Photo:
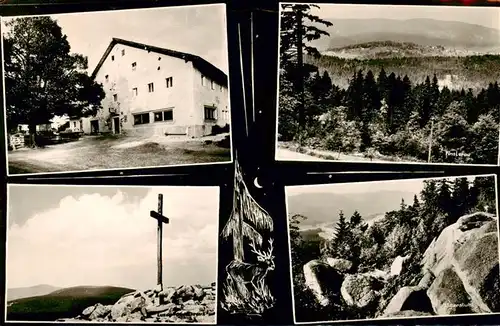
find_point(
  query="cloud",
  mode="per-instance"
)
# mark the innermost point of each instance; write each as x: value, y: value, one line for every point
x: 94, y: 239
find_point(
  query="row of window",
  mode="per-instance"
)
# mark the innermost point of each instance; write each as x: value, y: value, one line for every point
x: 151, y: 88
x: 168, y: 115
x: 212, y: 84
x: 143, y: 118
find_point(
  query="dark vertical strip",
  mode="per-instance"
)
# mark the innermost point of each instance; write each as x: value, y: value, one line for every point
x: 160, y: 235
x: 299, y: 71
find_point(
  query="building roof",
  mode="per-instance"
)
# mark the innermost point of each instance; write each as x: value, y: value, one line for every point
x: 205, y: 67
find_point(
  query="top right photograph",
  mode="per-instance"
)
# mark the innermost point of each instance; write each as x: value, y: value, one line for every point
x: 389, y: 84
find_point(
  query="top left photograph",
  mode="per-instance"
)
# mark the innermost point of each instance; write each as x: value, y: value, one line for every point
x: 120, y: 89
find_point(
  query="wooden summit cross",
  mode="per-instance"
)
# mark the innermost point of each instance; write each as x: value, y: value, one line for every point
x: 161, y: 219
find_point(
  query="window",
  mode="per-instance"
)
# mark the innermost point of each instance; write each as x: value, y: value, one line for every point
x: 202, y: 80
x: 134, y: 65
x: 74, y: 124
x: 151, y: 87
x: 134, y: 90
x: 212, y: 84
x: 115, y: 97
x: 221, y: 88
x: 166, y: 115
x: 112, y: 58
x: 140, y: 119
x: 123, y: 52
x: 106, y: 77
x: 169, y: 81
x: 210, y: 113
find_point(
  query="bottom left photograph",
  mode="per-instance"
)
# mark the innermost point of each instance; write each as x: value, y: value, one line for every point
x: 112, y: 254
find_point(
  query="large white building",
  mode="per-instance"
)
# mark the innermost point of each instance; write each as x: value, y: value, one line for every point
x: 151, y: 90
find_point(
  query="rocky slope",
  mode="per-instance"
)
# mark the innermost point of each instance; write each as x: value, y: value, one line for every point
x: 460, y: 275
x: 184, y: 304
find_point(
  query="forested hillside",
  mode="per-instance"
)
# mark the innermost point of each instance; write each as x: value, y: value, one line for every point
x: 407, y: 231
x: 466, y: 72
x: 391, y: 116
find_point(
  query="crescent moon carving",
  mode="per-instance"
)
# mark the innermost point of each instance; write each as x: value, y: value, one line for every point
x: 256, y: 183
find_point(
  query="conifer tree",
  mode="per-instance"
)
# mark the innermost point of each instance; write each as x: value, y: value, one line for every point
x: 355, y: 218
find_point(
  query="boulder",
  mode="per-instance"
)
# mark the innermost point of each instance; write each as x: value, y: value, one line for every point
x: 88, y: 311
x: 198, y: 292
x: 447, y: 294
x: 409, y: 298
x: 469, y: 248
x: 339, y: 264
x: 398, y: 264
x: 129, y: 304
x: 185, y: 292
x: 166, y: 295
x: 320, y: 277
x: 100, y: 311
x: 477, y: 264
x: 360, y: 290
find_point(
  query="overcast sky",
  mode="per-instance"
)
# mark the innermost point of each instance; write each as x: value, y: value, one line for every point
x: 408, y: 185
x: 69, y: 236
x: 200, y: 30
x: 485, y: 16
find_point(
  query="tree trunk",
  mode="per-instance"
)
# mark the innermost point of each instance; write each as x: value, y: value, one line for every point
x: 32, y: 132
x: 239, y: 253
x: 299, y: 72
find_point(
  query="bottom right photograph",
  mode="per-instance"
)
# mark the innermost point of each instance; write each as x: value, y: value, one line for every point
x: 394, y: 249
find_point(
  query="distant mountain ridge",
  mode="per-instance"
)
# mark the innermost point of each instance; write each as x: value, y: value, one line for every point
x: 422, y: 31
x: 392, y: 49
x: 30, y: 291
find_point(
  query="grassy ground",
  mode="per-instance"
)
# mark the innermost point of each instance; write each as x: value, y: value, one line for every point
x: 112, y: 152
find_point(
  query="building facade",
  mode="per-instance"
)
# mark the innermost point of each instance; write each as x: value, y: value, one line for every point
x: 151, y: 90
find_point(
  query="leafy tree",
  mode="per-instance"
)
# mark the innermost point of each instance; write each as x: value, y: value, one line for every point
x: 43, y: 79
x: 484, y: 140
x: 453, y: 128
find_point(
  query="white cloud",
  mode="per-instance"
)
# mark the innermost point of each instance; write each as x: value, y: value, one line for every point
x: 101, y: 240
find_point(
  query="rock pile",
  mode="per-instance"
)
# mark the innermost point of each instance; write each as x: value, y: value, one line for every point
x: 460, y: 269
x: 184, y: 304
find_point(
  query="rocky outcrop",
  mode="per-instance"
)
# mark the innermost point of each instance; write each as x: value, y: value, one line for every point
x: 361, y: 290
x: 460, y: 271
x: 186, y: 303
x: 460, y: 275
